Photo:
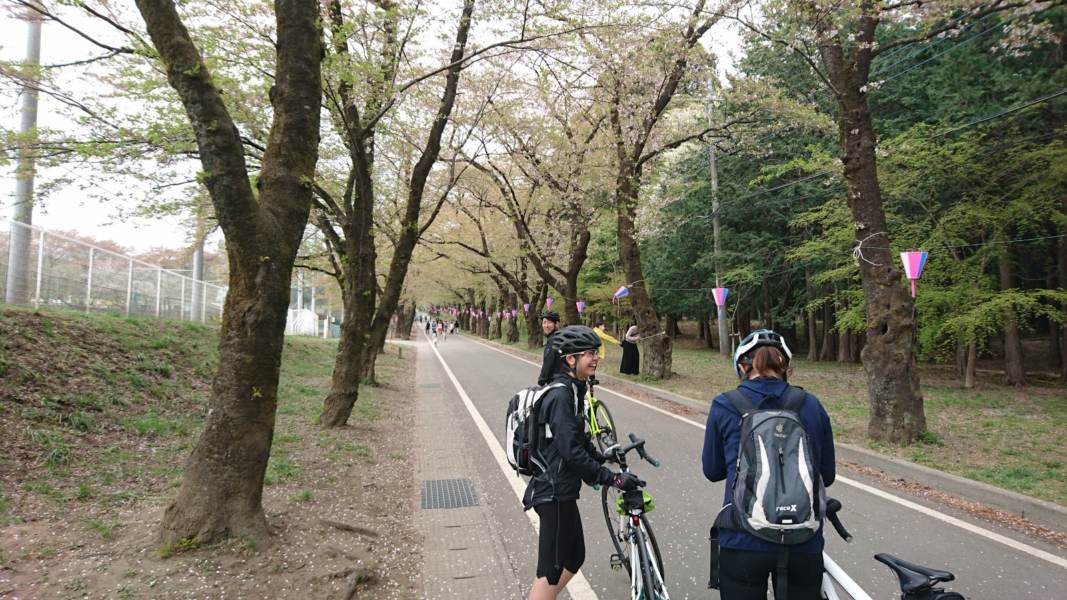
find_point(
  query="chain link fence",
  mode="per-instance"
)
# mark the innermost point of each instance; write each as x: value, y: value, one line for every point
x: 41, y: 268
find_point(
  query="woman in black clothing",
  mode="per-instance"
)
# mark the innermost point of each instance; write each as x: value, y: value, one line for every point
x: 631, y: 358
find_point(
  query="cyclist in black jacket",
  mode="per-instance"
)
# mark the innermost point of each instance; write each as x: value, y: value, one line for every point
x: 570, y: 458
x: 550, y: 361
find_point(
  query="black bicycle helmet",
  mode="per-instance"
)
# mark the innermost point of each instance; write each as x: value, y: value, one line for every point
x: 759, y: 337
x: 551, y: 315
x: 575, y: 339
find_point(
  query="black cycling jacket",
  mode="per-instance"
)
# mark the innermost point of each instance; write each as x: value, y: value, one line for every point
x: 565, y: 447
x: 550, y: 361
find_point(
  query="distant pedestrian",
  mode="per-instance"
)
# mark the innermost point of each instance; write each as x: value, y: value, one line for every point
x: 605, y: 338
x: 550, y: 361
x: 631, y: 358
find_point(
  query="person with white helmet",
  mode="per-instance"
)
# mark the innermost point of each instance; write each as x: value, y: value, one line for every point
x: 746, y: 561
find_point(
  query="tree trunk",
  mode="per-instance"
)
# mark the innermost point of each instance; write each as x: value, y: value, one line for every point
x: 844, y: 345
x: 859, y: 340
x: 765, y: 301
x: 513, y: 322
x: 1054, y: 333
x: 483, y: 319
x: 349, y: 364
x: 222, y: 485
x: 1061, y: 275
x: 813, y: 337
x: 405, y: 320
x: 495, y: 330
x: 813, y: 327
x: 828, y: 338
x: 672, y: 327
x: 533, y: 333
x: 743, y: 320
x: 971, y: 365
x: 896, y: 414
x: 1013, y: 346
x: 656, y: 361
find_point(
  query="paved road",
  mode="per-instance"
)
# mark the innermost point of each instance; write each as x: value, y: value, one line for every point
x: 686, y: 503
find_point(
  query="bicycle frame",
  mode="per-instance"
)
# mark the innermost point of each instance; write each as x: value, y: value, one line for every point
x: 644, y: 558
x: 590, y: 414
x: 835, y: 574
x: 638, y: 536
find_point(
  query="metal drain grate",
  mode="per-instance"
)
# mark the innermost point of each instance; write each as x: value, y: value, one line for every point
x: 448, y: 493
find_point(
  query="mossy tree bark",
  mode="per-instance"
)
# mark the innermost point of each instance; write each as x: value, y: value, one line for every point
x: 222, y: 487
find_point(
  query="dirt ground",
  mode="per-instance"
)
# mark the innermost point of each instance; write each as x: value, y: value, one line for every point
x: 340, y: 504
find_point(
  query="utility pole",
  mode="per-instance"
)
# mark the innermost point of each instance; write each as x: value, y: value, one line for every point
x: 18, y: 291
x: 724, y: 335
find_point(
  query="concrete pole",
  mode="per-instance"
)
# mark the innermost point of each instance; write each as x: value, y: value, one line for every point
x: 89, y: 281
x: 300, y: 291
x: 19, y: 246
x: 129, y: 288
x: 159, y: 288
x: 724, y: 334
x: 198, y: 279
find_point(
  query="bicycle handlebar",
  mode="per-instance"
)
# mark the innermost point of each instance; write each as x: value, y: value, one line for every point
x: 639, y: 445
x: 832, y: 506
x: 618, y: 453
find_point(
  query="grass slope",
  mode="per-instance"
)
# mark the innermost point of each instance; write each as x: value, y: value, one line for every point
x: 97, y: 416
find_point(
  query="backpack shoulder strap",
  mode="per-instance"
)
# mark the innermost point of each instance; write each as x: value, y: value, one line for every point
x: 739, y: 401
x: 794, y: 398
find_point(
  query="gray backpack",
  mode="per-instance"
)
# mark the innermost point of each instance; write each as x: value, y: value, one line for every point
x: 520, y: 430
x: 778, y: 493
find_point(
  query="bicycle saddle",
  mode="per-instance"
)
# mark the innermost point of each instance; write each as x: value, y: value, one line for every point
x: 913, y: 577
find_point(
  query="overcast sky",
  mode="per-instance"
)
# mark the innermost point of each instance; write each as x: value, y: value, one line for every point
x: 69, y: 208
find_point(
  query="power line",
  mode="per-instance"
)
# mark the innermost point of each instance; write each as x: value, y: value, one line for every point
x: 821, y: 174
x: 942, y: 53
x: 1009, y: 111
x: 928, y: 46
x: 982, y: 244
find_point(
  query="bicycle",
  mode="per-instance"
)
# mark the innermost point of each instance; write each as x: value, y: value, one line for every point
x: 601, y: 425
x: 635, y: 543
x: 916, y: 581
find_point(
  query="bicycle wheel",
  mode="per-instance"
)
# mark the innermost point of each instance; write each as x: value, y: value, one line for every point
x: 607, y: 436
x: 655, y: 547
x: 651, y: 586
x: 609, y: 495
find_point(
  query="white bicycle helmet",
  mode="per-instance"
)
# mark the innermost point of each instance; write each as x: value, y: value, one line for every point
x: 759, y: 337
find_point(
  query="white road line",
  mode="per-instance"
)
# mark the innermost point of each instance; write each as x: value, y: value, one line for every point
x: 579, y: 587
x: 969, y: 527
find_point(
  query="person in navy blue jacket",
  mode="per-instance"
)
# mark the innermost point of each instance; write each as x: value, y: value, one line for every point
x: 745, y: 561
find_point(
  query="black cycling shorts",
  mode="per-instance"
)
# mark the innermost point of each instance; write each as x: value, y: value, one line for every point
x: 561, y: 544
x: 743, y: 575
